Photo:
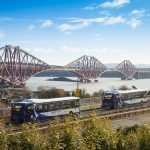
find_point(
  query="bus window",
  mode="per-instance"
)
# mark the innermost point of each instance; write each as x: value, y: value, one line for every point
x: 108, y: 97
x: 57, y: 105
x: 71, y: 104
x: 39, y: 107
x: 67, y: 104
x: 51, y: 107
x: 64, y: 105
x: 17, y: 108
x: 45, y: 107
x: 77, y: 103
x: 30, y: 107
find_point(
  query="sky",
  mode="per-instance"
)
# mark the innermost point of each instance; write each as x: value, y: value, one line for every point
x: 60, y: 31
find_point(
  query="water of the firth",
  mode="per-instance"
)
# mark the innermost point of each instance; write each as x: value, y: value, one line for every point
x: 104, y: 83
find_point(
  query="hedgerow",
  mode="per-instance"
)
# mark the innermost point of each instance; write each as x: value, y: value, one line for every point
x: 74, y: 134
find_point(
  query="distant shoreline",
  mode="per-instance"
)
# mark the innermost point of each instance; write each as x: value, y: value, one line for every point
x: 62, y: 79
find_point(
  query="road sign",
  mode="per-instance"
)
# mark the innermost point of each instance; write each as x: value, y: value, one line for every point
x: 78, y: 92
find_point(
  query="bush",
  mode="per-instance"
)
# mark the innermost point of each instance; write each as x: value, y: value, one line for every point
x: 3, y: 137
x: 124, y: 87
x: 72, y: 137
x: 31, y: 138
x: 54, y: 136
x: 50, y: 93
x: 100, y: 93
x: 98, y: 134
x: 74, y: 134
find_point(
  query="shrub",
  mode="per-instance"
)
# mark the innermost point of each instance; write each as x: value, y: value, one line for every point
x: 72, y: 137
x: 54, y: 136
x: 31, y: 138
x: 50, y: 93
x: 74, y: 134
x: 3, y: 137
x: 98, y: 134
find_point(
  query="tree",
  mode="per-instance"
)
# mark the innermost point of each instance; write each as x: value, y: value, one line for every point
x: 98, y: 94
x: 123, y: 87
x: 84, y: 94
x: 50, y: 93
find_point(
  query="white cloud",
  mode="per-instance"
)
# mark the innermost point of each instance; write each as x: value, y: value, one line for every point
x: 79, y: 23
x: 115, y: 20
x: 40, y: 52
x: 89, y: 8
x: 2, y: 34
x: 136, y: 16
x: 67, y: 27
x: 115, y: 3
x: 72, y: 49
x: 47, y: 23
x: 134, y: 22
x: 66, y: 48
x: 31, y: 27
x: 138, y: 13
x: 133, y: 19
x: 105, y: 13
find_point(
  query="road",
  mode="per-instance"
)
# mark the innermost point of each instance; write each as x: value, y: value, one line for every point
x: 130, y: 121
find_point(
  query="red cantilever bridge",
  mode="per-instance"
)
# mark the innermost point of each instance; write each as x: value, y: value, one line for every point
x: 17, y: 66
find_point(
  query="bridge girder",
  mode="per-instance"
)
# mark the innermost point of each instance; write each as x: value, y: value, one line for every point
x: 16, y: 65
x: 89, y: 67
x: 127, y: 68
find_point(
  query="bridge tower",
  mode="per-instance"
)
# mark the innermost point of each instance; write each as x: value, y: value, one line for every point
x: 88, y: 68
x: 17, y: 65
x: 127, y: 69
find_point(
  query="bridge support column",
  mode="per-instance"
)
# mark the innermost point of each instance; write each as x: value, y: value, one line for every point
x: 85, y: 81
x: 95, y: 80
x: 125, y: 78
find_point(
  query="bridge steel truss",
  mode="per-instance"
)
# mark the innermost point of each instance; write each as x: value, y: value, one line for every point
x: 88, y: 67
x: 17, y: 66
x: 126, y: 68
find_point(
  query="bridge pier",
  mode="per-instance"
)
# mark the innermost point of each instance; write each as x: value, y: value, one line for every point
x: 126, y: 78
x: 87, y: 80
x: 95, y: 80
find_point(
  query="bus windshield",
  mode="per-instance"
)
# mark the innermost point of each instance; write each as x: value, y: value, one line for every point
x: 16, y: 107
x: 108, y: 96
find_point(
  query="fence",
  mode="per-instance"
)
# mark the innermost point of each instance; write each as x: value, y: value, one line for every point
x: 90, y: 103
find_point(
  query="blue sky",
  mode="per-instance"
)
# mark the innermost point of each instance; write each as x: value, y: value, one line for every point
x: 59, y: 31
